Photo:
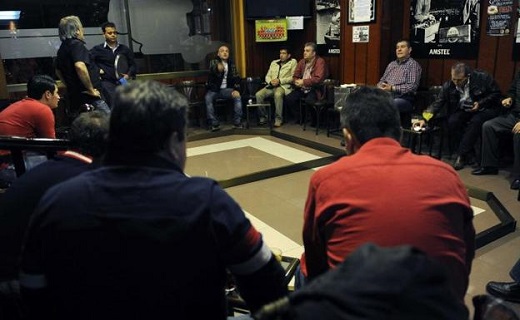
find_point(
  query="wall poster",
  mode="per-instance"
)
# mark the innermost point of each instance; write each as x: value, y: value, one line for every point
x: 328, y: 26
x: 499, y: 17
x: 516, y: 46
x: 445, y: 29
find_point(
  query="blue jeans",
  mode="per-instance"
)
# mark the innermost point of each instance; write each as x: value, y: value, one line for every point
x: 224, y: 94
x: 101, y: 105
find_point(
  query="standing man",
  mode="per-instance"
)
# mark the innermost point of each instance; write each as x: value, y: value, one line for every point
x: 279, y: 78
x: 310, y: 72
x: 365, y: 197
x: 32, y: 117
x: 401, y: 78
x: 137, y: 238
x: 223, y: 82
x: 507, y: 122
x: 75, y: 67
x: 106, y: 55
x: 469, y: 99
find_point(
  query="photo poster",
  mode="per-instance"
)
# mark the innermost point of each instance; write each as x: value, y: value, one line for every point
x: 445, y: 29
x: 271, y: 30
x: 360, y: 34
x: 516, y: 46
x: 328, y: 28
x: 499, y: 17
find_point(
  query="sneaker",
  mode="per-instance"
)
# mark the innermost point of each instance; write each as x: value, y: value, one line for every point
x: 278, y: 123
x: 238, y: 126
x: 262, y: 121
x: 215, y: 128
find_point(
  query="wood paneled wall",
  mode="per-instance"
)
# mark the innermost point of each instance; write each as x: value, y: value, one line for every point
x: 364, y: 63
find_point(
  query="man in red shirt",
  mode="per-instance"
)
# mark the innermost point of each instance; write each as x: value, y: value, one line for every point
x: 383, y: 194
x: 32, y: 117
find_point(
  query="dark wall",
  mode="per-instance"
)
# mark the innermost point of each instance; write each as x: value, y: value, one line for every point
x: 364, y: 63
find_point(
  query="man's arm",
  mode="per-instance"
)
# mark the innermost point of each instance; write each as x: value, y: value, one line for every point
x: 132, y: 65
x: 45, y: 124
x: 288, y: 71
x: 492, y: 97
x: 259, y: 276
x: 318, y: 74
x: 84, y: 77
x: 315, y: 257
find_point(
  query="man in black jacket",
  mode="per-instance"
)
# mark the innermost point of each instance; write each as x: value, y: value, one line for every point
x: 508, y: 122
x: 106, y: 55
x: 223, y: 82
x: 469, y: 99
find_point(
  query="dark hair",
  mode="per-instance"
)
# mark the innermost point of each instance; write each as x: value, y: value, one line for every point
x: 405, y: 40
x: 88, y: 133
x: 144, y: 116
x: 312, y: 45
x: 370, y: 113
x: 286, y: 49
x: 107, y: 25
x: 38, y: 84
x: 461, y: 67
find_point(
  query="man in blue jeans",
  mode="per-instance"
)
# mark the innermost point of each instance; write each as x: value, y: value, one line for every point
x: 223, y: 82
x: 509, y: 291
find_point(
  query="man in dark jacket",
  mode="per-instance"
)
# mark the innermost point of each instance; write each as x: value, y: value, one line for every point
x: 223, y: 82
x: 508, y: 122
x: 107, y: 55
x: 469, y: 99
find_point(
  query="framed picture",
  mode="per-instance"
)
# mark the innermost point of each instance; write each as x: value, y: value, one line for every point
x: 361, y: 11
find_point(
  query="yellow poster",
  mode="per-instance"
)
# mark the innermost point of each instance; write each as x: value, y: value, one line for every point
x: 271, y: 30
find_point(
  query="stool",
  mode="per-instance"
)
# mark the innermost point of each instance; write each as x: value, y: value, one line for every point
x: 256, y: 105
x: 428, y: 133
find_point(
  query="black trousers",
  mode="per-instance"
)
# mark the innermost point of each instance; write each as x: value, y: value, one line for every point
x: 466, y: 127
x: 491, y: 131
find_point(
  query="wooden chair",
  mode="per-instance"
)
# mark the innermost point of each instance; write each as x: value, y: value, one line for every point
x: 325, y: 102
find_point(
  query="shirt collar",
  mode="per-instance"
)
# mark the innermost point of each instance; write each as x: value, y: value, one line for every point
x: 107, y: 46
x: 402, y: 61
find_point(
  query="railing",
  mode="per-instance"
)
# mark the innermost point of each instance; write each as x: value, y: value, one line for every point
x: 18, y: 145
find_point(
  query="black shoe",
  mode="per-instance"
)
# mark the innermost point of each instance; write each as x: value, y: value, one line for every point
x: 215, y: 128
x: 459, y: 163
x: 484, y: 171
x: 515, y: 185
x: 509, y: 291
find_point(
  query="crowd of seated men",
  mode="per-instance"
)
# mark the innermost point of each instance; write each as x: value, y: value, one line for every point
x: 113, y: 228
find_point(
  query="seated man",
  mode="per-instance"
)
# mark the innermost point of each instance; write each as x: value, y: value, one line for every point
x: 279, y: 78
x: 87, y: 137
x: 401, y: 78
x: 469, y: 99
x: 365, y: 197
x: 310, y: 72
x: 508, y: 122
x: 32, y: 117
x: 223, y: 82
x: 137, y: 238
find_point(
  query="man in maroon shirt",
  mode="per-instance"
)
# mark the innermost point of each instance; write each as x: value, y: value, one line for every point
x: 32, y: 117
x: 383, y: 194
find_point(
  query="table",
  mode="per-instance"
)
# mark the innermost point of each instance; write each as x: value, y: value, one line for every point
x: 256, y: 105
x: 427, y: 133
